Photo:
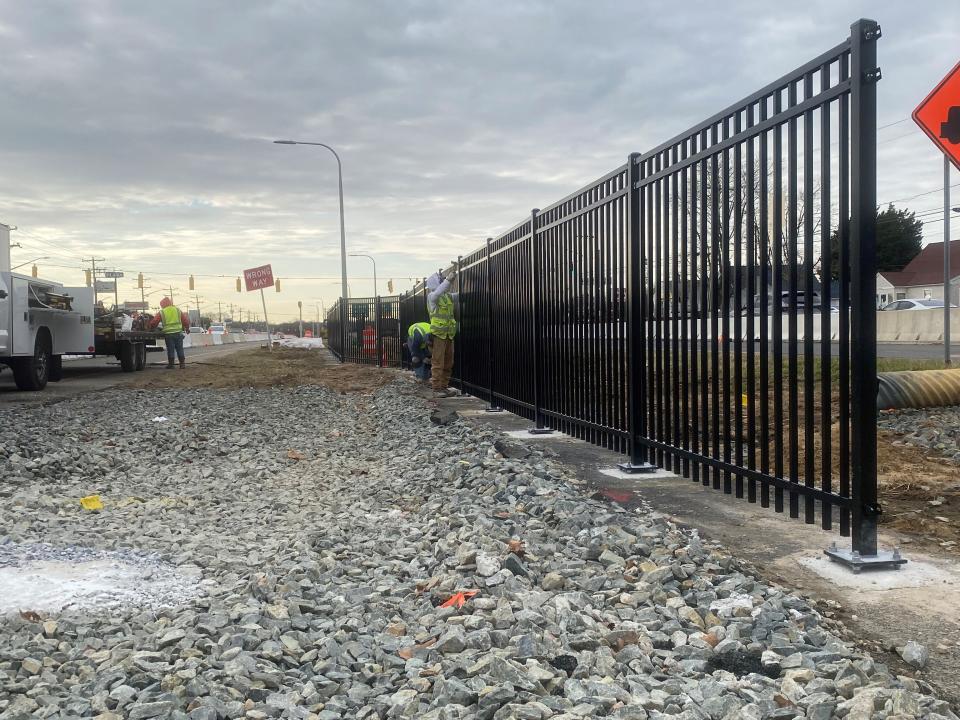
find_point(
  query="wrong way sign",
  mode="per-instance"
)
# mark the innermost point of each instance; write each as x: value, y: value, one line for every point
x: 258, y: 278
x: 939, y: 115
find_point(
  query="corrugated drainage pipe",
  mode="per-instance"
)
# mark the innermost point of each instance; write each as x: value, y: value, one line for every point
x: 918, y: 389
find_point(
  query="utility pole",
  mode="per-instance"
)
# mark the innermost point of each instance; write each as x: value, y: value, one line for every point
x: 300, y: 307
x: 93, y: 274
x: 171, y: 293
x: 219, y: 311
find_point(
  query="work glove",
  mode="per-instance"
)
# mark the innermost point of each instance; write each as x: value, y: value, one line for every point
x: 451, y: 276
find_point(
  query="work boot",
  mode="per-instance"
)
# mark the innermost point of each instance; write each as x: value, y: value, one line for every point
x: 169, y: 366
x: 183, y: 364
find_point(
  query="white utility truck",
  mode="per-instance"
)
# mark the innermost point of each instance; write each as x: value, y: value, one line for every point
x: 41, y: 321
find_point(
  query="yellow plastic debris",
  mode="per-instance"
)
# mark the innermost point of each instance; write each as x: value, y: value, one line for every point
x: 91, y: 502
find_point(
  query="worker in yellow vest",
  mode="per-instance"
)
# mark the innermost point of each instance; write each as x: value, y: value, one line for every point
x: 443, y: 329
x: 174, y: 323
x: 419, y: 343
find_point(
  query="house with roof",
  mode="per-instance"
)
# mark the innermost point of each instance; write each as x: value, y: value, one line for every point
x: 922, y: 277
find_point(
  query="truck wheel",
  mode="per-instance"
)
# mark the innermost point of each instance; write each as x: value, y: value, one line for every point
x: 140, y: 356
x: 56, y: 368
x: 32, y: 373
x: 127, y: 356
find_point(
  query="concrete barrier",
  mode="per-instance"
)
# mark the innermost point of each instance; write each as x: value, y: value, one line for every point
x: 925, y: 326
x: 207, y: 340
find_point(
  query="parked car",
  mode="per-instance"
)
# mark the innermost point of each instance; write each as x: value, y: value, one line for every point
x: 196, y: 330
x: 915, y: 304
x: 785, y: 303
x: 217, y: 329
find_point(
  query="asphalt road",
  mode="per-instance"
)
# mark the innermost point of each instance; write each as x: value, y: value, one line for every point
x: 92, y: 374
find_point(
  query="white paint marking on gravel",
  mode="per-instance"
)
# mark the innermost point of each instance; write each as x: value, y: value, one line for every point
x: 55, y: 585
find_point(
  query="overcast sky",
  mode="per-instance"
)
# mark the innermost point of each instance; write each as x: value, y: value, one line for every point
x: 140, y: 131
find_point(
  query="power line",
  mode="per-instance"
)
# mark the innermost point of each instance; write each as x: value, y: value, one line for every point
x: 891, y: 124
x: 928, y: 192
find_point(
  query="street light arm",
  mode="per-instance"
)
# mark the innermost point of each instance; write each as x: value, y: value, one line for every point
x: 45, y: 257
x: 315, y: 144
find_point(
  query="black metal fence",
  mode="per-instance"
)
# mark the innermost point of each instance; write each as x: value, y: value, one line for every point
x: 679, y: 309
x: 372, y: 331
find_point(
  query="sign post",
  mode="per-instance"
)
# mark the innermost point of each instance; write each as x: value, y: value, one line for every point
x: 939, y: 117
x: 259, y: 278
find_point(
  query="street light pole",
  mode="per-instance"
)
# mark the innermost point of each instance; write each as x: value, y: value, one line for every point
x: 370, y: 257
x: 343, y: 240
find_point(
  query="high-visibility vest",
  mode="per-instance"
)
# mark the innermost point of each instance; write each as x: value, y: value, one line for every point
x: 170, y: 317
x: 442, y: 322
x: 424, y: 328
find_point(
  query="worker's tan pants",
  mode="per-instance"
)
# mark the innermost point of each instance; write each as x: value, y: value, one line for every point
x: 442, y: 362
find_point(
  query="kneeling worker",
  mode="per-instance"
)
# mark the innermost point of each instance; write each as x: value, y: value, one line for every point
x: 174, y: 324
x: 419, y: 341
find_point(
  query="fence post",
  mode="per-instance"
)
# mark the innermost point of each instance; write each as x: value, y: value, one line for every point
x: 400, y: 331
x: 343, y: 330
x: 540, y: 427
x: 865, y: 509
x: 636, y: 325
x: 492, y: 407
x: 377, y: 317
x: 459, y: 357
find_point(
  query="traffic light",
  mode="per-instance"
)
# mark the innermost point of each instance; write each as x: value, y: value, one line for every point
x: 87, y: 273
x: 140, y: 280
x: 278, y: 284
x: 191, y: 282
x: 390, y: 286
x: 299, y: 302
x: 35, y: 271
x: 238, y: 284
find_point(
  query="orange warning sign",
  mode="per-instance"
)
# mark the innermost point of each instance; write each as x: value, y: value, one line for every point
x: 939, y: 115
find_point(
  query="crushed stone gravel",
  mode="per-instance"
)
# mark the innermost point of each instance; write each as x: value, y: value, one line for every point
x: 357, y: 561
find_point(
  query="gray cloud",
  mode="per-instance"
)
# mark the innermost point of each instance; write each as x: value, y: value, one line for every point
x: 140, y: 131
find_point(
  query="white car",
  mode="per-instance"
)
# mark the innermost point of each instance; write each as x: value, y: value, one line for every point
x: 194, y: 330
x: 915, y: 304
x: 217, y: 329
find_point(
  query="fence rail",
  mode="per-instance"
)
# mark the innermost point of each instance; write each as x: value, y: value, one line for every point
x: 669, y: 309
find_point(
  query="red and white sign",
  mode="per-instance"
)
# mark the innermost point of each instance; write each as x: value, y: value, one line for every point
x: 308, y: 333
x: 939, y: 115
x: 258, y: 278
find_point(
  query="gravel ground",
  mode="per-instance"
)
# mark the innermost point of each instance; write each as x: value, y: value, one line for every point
x: 930, y: 428
x: 329, y: 530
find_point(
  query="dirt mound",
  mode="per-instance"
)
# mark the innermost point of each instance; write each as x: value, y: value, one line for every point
x: 258, y: 367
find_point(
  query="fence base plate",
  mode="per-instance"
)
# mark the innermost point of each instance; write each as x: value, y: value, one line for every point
x: 629, y: 467
x: 883, y: 560
x: 540, y: 431
x: 493, y: 409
